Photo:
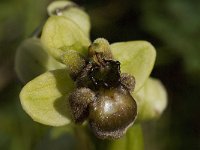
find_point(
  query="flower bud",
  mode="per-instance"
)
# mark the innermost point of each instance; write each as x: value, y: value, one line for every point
x: 71, y: 11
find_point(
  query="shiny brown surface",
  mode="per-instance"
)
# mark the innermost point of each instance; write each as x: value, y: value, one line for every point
x: 113, y: 111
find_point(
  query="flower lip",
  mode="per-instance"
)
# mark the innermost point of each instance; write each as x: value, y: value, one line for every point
x: 111, y: 110
x: 112, y: 113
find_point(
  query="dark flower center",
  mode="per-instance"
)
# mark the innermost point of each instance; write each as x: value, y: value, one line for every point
x: 107, y: 75
x: 103, y: 94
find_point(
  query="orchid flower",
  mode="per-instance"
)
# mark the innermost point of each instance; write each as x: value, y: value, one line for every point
x: 70, y: 79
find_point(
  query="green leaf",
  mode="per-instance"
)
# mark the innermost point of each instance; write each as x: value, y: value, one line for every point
x: 137, y: 58
x: 31, y: 60
x: 60, y: 35
x: 71, y: 11
x: 45, y: 98
x: 151, y: 100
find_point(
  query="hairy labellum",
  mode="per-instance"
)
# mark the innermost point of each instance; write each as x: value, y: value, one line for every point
x: 103, y: 94
x: 113, y: 111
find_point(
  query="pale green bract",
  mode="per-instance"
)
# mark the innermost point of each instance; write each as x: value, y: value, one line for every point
x: 151, y: 100
x: 71, y: 11
x: 61, y: 34
x: 45, y: 97
x: 137, y: 58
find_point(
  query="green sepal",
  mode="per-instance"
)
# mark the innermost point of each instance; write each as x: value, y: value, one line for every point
x: 137, y: 58
x: 45, y: 98
x: 31, y: 60
x: 151, y: 100
x: 60, y: 35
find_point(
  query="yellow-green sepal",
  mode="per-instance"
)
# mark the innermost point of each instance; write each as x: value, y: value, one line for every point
x: 151, y: 100
x: 45, y: 98
x: 71, y: 11
x: 31, y: 60
x: 137, y: 58
x: 60, y: 35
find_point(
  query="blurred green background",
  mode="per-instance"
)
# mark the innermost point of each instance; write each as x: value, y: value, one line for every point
x: 172, y: 26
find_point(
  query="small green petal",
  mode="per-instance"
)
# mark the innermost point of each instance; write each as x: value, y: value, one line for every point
x: 73, y: 61
x: 31, y: 60
x: 45, y: 98
x: 60, y: 35
x: 151, y: 100
x: 137, y: 58
x: 71, y: 11
x: 100, y: 46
